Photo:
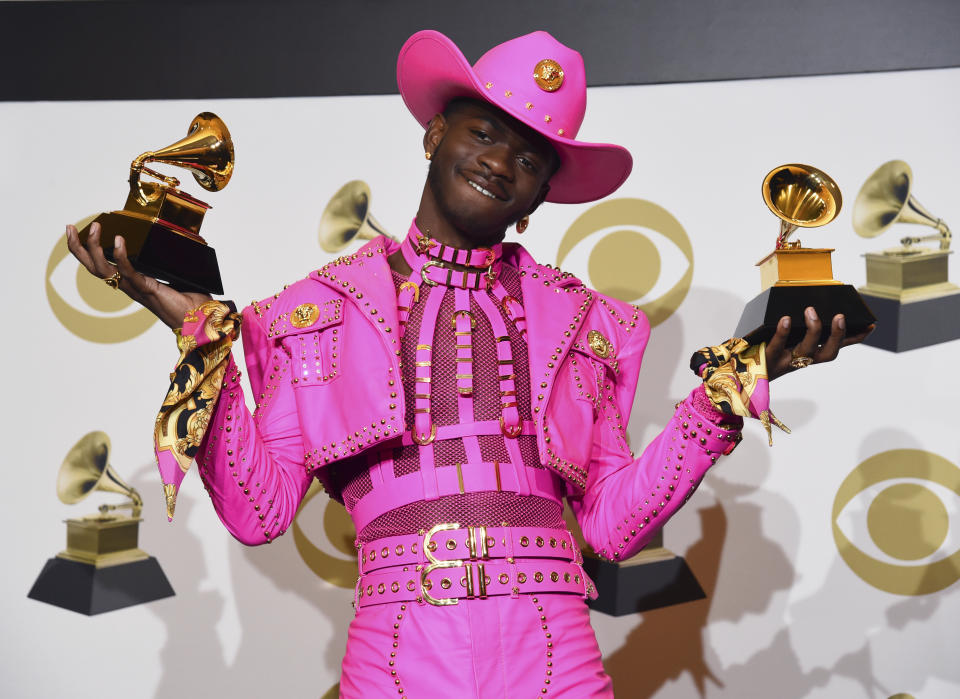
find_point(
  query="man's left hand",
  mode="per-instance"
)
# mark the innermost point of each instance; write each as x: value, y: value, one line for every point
x: 783, y: 360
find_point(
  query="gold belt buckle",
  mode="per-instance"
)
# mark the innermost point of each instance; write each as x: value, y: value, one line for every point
x: 477, y: 545
x: 436, y: 565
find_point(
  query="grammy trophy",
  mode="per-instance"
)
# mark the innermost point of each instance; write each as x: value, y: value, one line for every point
x: 794, y: 277
x: 907, y: 285
x: 161, y: 224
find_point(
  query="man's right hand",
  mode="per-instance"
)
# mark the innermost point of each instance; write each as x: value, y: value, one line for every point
x: 168, y: 304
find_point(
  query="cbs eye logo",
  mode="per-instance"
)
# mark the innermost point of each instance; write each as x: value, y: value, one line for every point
x: 94, y: 311
x: 892, y: 520
x: 617, y: 238
x: 335, y: 558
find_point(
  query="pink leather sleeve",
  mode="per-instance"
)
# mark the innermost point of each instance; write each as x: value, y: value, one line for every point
x: 627, y: 498
x: 252, y: 465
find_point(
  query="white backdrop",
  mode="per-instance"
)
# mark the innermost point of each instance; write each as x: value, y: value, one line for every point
x: 785, y: 616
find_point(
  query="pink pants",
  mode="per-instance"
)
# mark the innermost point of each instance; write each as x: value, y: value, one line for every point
x: 500, y: 647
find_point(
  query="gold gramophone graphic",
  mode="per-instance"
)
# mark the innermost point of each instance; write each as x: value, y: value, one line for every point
x: 347, y: 216
x: 908, y: 285
x: 794, y: 277
x: 102, y: 568
x: 160, y: 223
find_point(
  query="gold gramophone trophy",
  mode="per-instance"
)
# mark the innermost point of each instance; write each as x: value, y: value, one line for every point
x: 347, y: 216
x: 102, y: 568
x: 908, y: 285
x: 794, y: 277
x: 160, y: 223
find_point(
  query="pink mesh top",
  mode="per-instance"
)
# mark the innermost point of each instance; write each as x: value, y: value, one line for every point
x: 447, y: 407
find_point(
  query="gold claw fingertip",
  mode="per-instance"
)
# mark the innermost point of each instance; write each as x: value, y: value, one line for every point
x: 170, y: 495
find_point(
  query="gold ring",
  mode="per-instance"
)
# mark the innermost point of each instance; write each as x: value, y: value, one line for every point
x: 800, y: 361
x: 114, y: 281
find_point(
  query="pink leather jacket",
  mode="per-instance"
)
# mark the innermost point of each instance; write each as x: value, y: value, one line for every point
x: 330, y: 389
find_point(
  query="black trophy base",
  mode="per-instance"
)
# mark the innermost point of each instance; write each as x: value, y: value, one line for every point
x: 907, y: 326
x: 158, y: 251
x: 761, y: 315
x: 628, y: 588
x: 84, y: 588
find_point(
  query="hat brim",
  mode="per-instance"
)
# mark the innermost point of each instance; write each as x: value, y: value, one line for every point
x: 431, y: 71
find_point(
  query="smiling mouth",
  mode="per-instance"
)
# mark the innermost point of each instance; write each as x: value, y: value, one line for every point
x: 483, y: 191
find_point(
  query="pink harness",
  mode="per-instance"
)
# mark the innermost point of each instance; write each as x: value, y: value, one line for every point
x: 465, y: 284
x: 477, y: 291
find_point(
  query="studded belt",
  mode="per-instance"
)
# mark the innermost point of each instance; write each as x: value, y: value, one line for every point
x: 493, y: 561
x: 450, y: 542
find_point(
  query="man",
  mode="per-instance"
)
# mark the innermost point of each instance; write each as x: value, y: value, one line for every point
x: 451, y: 392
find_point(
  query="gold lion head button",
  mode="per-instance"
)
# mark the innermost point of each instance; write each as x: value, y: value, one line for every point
x: 600, y: 345
x: 548, y: 74
x: 304, y: 315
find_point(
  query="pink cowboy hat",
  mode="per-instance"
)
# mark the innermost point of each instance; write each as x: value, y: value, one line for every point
x: 534, y: 78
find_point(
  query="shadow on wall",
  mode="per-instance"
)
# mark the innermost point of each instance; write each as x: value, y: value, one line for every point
x: 192, y: 659
x: 277, y: 654
x: 669, y: 643
x: 874, y: 609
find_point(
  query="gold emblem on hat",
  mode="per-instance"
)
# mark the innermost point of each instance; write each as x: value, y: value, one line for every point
x: 304, y: 315
x: 600, y: 345
x: 548, y: 74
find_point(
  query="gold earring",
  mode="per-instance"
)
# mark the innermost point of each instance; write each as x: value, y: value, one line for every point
x: 427, y: 155
x: 522, y: 225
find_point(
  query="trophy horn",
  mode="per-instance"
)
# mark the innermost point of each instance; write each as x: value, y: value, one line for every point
x: 206, y: 150
x: 800, y: 196
x: 886, y: 198
x: 86, y: 468
x: 347, y: 216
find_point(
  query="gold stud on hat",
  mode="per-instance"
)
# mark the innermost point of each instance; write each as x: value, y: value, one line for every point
x: 548, y: 75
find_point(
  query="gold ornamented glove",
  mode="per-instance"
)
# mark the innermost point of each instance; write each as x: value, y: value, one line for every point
x: 205, y: 340
x: 735, y: 380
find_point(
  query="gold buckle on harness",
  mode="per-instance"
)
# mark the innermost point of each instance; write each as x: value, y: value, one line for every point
x: 477, y: 546
x: 424, y: 439
x: 468, y: 314
x: 423, y: 271
x: 416, y: 290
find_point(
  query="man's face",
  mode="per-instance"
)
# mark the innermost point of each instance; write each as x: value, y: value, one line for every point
x: 488, y: 169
